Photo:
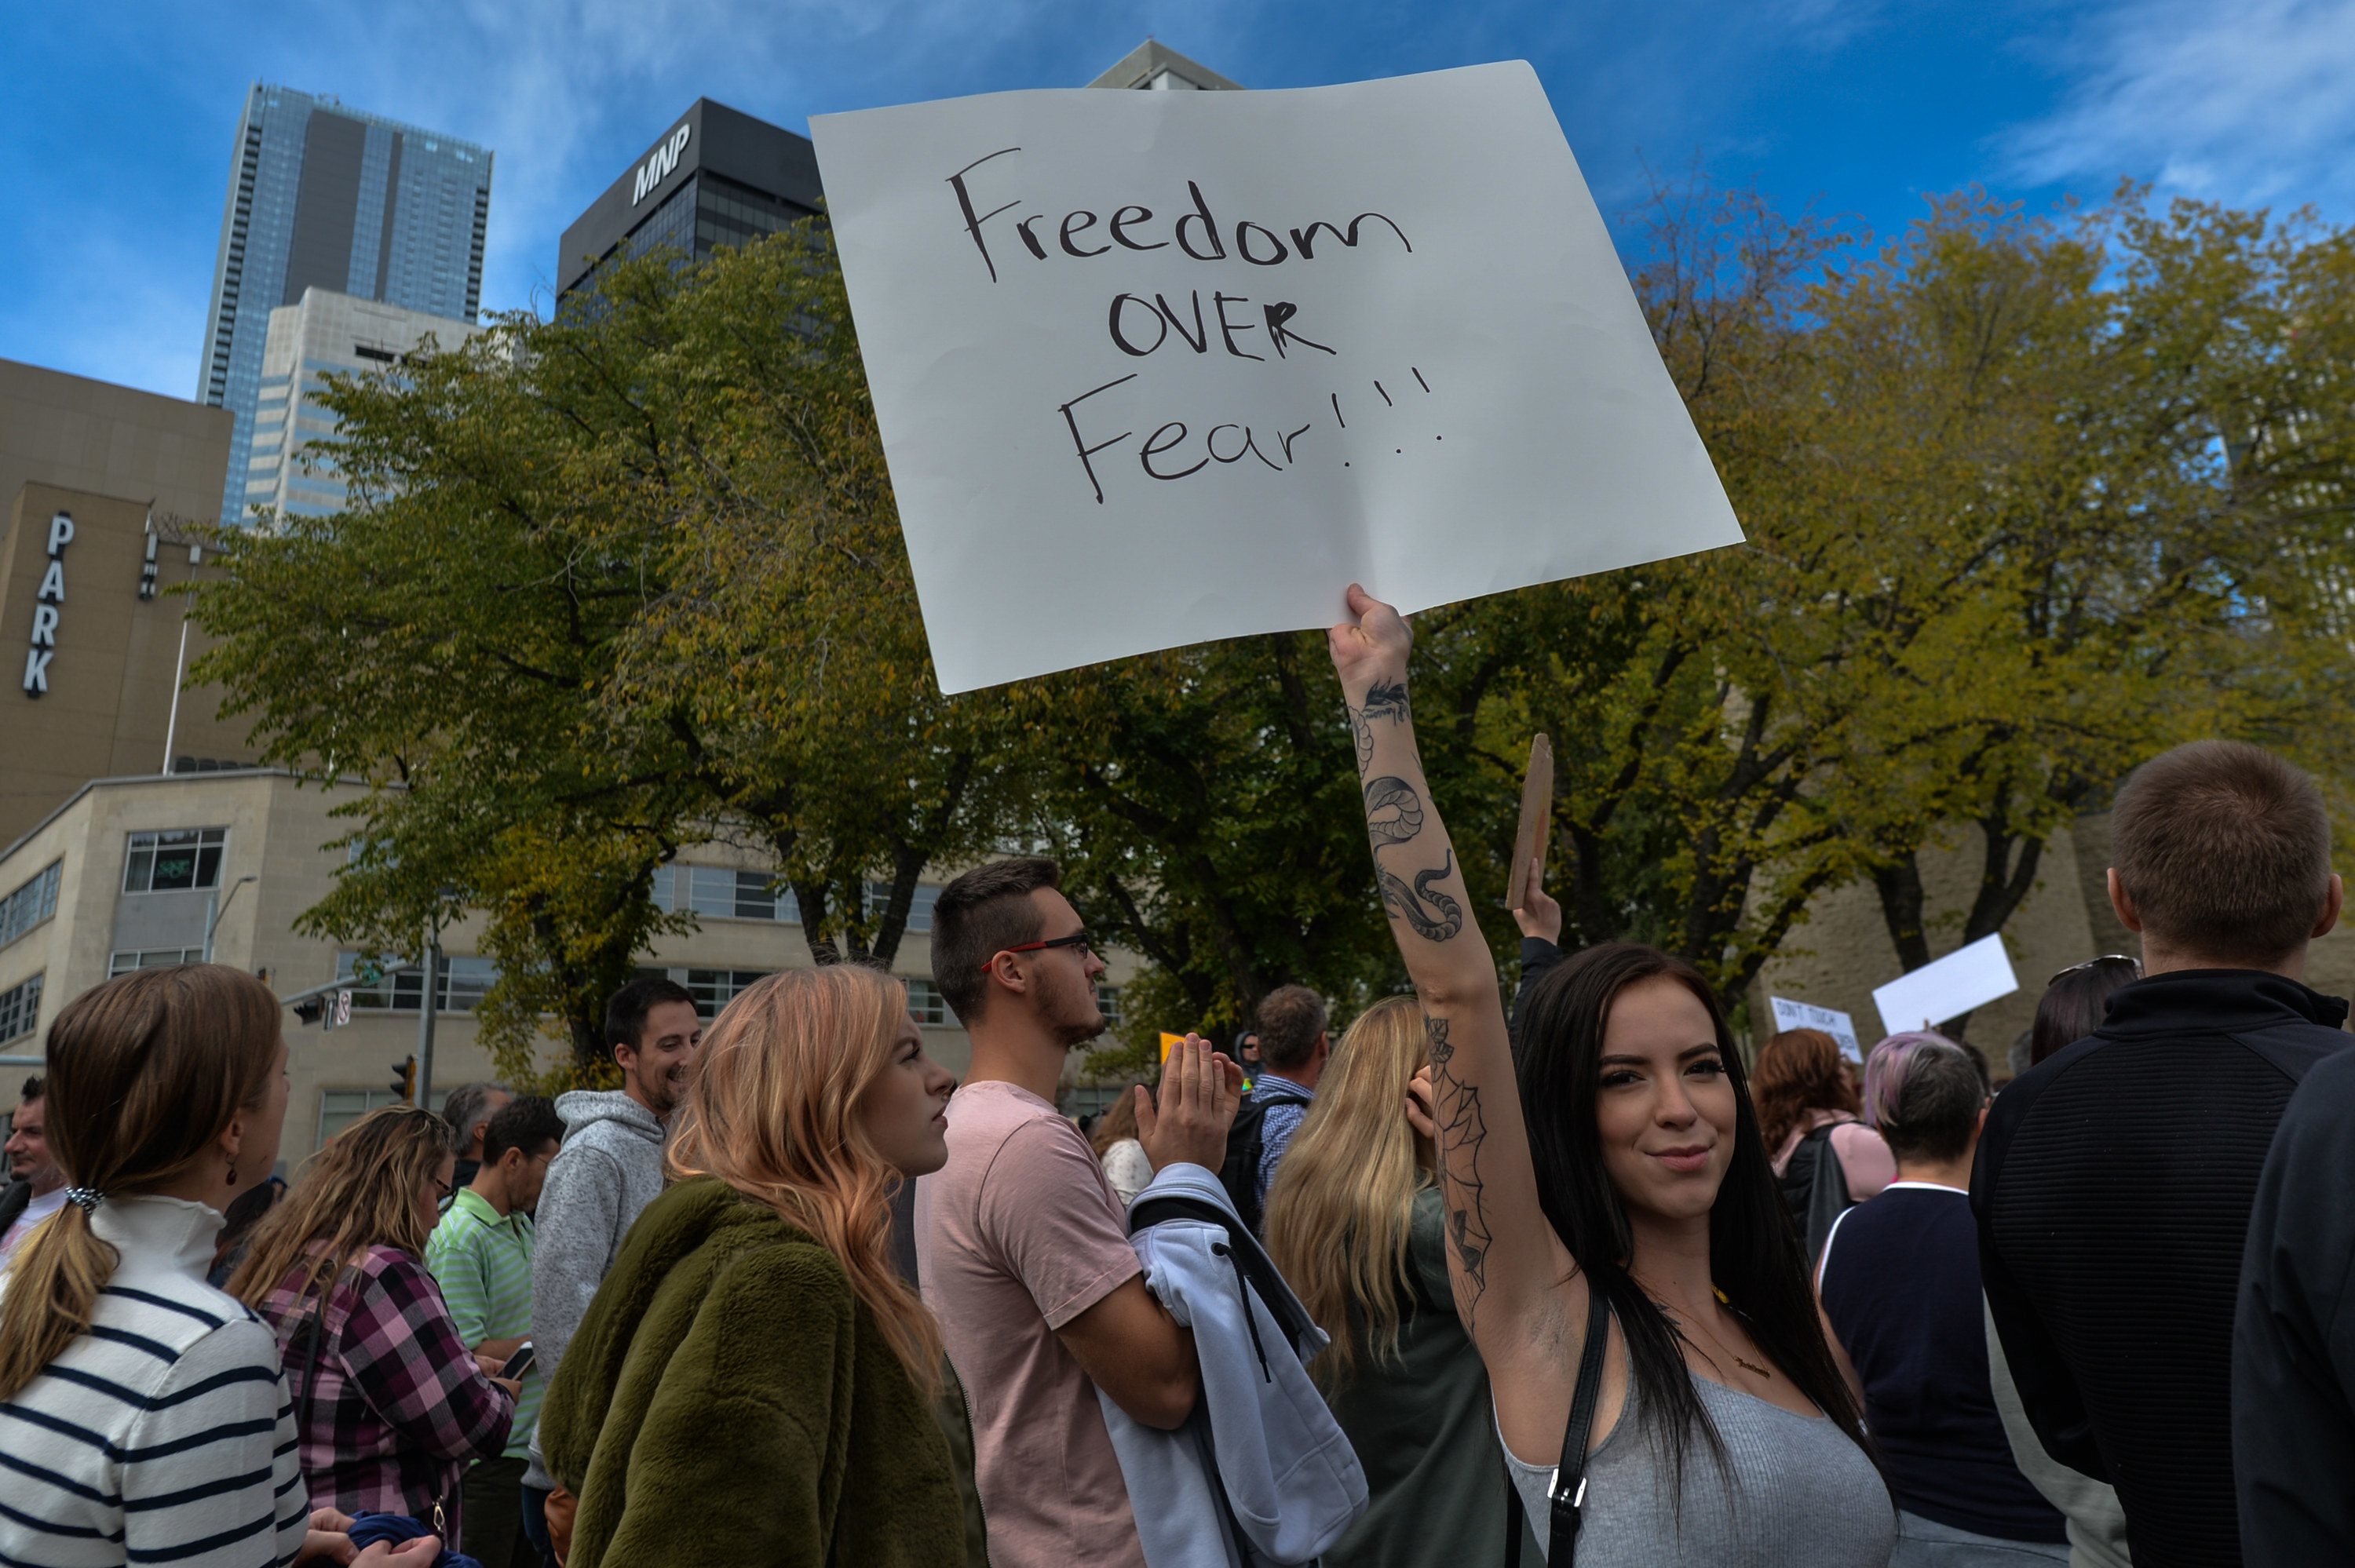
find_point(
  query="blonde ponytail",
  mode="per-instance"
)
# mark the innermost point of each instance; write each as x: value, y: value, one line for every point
x: 52, y: 1285
x: 144, y: 1074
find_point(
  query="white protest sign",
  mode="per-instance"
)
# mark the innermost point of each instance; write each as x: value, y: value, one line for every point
x: 1155, y: 368
x: 1839, y: 1025
x: 1965, y: 979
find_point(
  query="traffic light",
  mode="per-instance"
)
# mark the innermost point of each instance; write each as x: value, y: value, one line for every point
x: 310, y: 1009
x: 404, y: 1078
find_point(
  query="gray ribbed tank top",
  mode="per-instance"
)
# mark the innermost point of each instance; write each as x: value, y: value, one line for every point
x: 1803, y: 1495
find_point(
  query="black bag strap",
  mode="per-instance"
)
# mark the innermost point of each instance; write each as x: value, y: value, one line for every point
x: 1568, y: 1495
x: 1250, y: 1260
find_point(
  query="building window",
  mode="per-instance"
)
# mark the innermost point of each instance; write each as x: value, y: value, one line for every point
x: 1108, y: 1002
x: 925, y: 1004
x: 715, y: 989
x: 724, y: 892
x: 338, y: 1108
x: 20, y: 1009
x: 458, y: 984
x: 173, y: 859
x: 31, y: 904
x: 123, y: 963
x: 711, y: 989
x: 920, y: 905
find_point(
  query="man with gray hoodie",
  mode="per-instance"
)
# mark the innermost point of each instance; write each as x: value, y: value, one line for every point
x: 609, y: 1169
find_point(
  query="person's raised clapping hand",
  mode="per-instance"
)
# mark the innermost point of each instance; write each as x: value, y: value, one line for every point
x: 1199, y: 1093
x: 1538, y: 914
x: 1371, y: 646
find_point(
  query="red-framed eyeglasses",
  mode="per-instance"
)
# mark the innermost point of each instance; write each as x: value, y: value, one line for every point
x: 1076, y: 939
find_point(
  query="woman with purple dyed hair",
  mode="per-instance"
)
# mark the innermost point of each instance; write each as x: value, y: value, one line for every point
x: 1899, y: 1287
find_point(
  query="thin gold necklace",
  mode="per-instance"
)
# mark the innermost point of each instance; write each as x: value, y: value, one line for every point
x: 1739, y: 1360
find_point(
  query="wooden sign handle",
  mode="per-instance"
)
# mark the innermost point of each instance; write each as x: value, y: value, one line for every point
x: 1535, y: 831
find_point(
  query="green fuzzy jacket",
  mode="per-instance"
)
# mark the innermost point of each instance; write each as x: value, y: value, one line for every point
x: 727, y: 1401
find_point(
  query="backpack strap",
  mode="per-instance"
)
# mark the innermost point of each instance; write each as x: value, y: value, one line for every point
x: 1252, y: 1265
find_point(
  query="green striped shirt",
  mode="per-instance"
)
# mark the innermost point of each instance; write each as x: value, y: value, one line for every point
x: 483, y: 1263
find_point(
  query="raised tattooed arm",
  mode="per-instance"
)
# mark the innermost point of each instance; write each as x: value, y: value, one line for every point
x: 1514, y: 1283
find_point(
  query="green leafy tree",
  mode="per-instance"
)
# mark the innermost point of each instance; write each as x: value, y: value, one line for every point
x: 611, y: 585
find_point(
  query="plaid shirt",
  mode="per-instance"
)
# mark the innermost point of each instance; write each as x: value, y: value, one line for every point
x: 396, y: 1406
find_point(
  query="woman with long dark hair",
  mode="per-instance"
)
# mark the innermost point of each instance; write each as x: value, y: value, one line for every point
x: 2076, y: 1002
x: 1610, y: 1206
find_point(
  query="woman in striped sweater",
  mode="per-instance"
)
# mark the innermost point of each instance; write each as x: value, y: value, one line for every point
x: 142, y: 1416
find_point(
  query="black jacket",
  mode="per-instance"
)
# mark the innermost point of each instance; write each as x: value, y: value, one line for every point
x: 14, y: 1199
x: 2294, y: 1341
x: 1538, y: 954
x: 2113, y: 1189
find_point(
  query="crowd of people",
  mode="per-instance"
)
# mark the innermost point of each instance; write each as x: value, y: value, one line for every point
x: 1464, y: 1286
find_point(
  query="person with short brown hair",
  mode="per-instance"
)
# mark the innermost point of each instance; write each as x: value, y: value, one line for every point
x: 2114, y: 1184
x: 1293, y: 1048
x: 1023, y: 1252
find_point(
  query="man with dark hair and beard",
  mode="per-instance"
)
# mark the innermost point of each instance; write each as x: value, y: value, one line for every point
x: 1021, y: 1246
x: 609, y: 1169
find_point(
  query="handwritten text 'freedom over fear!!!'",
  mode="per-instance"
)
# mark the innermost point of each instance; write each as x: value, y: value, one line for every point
x: 1140, y: 326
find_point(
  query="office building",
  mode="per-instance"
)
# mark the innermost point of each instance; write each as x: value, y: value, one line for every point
x: 717, y: 176
x: 131, y: 872
x: 323, y: 196
x: 92, y: 641
x: 324, y: 332
x: 1153, y: 67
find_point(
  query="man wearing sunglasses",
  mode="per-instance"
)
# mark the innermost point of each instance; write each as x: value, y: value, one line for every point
x: 1022, y: 1250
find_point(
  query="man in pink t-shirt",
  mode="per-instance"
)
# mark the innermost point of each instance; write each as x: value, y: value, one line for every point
x: 1022, y: 1249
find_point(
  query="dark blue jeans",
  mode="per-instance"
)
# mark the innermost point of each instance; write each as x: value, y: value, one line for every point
x: 534, y: 1524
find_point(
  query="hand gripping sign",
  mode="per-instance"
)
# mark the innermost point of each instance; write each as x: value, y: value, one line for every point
x: 1153, y: 368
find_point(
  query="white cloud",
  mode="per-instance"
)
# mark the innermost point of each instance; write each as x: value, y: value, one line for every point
x: 2243, y: 101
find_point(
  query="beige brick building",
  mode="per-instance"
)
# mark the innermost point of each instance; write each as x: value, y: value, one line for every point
x: 158, y: 870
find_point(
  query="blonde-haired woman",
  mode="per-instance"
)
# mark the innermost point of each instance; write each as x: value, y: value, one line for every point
x: 390, y: 1404
x: 1355, y: 1223
x: 1119, y: 1149
x: 754, y: 1383
x: 142, y: 1416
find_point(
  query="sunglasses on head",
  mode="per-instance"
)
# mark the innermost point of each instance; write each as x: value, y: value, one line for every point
x: 2094, y: 963
x: 1078, y: 938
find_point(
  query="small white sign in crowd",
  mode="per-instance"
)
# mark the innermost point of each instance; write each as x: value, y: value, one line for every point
x: 1969, y: 978
x: 1155, y: 368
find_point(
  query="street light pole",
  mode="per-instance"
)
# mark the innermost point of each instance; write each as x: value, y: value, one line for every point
x: 426, y: 1008
x: 220, y: 907
x: 425, y: 1012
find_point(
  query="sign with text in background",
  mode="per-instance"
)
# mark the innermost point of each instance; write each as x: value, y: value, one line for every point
x: 1155, y: 368
x: 1831, y: 1021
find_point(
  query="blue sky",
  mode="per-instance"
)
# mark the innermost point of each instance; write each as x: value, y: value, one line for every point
x: 120, y: 115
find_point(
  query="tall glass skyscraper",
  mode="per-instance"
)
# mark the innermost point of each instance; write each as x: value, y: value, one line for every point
x: 323, y: 196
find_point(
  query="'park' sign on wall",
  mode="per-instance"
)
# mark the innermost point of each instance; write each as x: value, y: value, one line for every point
x: 1153, y: 368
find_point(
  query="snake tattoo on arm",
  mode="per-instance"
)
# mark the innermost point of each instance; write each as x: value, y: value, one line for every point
x: 1394, y: 815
